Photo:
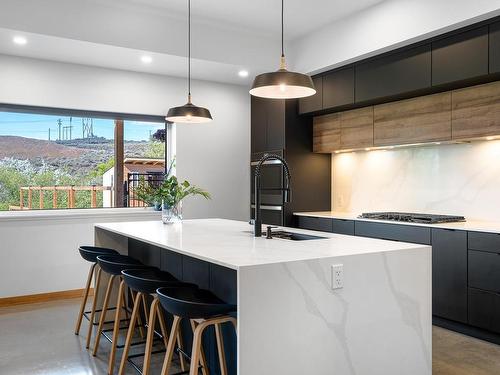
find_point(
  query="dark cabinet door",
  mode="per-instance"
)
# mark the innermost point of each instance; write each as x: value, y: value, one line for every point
x: 322, y: 224
x: 338, y: 88
x: 495, y: 47
x: 314, y: 102
x: 449, y: 274
x: 398, y: 73
x: 275, y: 125
x: 258, y: 124
x: 395, y: 232
x: 460, y: 56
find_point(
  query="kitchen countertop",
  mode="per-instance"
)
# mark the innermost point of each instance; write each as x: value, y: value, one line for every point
x: 469, y: 225
x: 231, y: 243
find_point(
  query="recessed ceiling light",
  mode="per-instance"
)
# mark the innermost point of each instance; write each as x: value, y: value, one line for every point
x: 490, y: 138
x: 243, y: 73
x: 146, y: 59
x: 20, y: 40
x: 367, y: 149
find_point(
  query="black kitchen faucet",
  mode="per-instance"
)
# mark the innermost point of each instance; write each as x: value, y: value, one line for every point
x: 259, y: 188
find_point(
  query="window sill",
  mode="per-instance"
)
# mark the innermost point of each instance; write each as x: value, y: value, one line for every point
x: 89, y: 213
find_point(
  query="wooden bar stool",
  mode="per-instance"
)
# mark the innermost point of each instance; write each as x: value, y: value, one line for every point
x: 90, y: 254
x: 145, y: 282
x: 113, y: 265
x: 204, y: 309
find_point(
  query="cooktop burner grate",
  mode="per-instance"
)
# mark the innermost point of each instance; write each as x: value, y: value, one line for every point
x: 412, y: 217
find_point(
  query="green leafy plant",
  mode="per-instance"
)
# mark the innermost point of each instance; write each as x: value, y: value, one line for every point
x: 170, y: 191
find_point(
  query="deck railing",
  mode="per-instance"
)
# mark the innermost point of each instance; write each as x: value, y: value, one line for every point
x: 30, y: 192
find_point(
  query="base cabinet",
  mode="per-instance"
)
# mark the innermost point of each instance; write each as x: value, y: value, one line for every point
x: 484, y: 310
x: 449, y: 274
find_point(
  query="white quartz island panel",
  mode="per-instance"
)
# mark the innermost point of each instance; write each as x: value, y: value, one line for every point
x: 290, y: 320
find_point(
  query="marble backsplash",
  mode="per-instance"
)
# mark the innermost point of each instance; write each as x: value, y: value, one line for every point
x: 460, y: 179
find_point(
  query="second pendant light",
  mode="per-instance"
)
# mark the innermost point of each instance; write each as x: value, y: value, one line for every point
x: 189, y: 113
x: 282, y: 84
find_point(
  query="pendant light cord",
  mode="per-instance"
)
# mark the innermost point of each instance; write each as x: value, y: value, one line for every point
x: 282, y: 29
x: 189, y: 51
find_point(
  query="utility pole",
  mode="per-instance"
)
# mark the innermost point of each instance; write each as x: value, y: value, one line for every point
x: 49, y: 134
x: 59, y: 124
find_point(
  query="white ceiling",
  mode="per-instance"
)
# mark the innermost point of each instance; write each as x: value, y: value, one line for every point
x: 259, y: 16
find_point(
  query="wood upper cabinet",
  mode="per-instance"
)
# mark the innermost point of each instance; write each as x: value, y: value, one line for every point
x: 476, y: 111
x: 314, y: 102
x: 356, y: 128
x: 338, y: 88
x: 495, y: 48
x: 343, y: 131
x: 460, y: 56
x: 397, y: 73
x: 419, y: 120
x: 326, y: 133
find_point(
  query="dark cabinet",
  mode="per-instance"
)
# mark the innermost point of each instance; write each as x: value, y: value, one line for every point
x: 395, y: 232
x: 322, y: 224
x: 494, y: 48
x: 314, y: 102
x: 461, y: 56
x: 342, y: 226
x: 267, y: 124
x: 338, y: 88
x: 398, y: 73
x: 484, y: 310
x: 449, y: 274
x: 484, y: 242
x: 484, y: 270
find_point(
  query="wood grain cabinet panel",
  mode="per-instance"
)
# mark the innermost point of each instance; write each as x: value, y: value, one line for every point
x: 356, y: 128
x: 326, y: 133
x: 476, y: 111
x: 419, y: 120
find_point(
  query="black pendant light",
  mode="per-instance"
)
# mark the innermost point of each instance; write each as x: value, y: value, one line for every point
x: 189, y: 113
x: 282, y: 84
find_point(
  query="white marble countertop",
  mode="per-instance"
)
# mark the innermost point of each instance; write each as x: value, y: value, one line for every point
x: 231, y: 243
x: 469, y: 225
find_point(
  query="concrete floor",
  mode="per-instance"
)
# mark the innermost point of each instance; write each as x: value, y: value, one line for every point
x: 38, y: 339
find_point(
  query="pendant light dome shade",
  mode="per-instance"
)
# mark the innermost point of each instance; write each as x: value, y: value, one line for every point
x: 189, y: 113
x: 282, y: 84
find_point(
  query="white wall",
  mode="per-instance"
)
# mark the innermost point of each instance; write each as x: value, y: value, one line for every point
x: 383, y: 27
x: 215, y: 156
x: 40, y: 255
x: 462, y: 179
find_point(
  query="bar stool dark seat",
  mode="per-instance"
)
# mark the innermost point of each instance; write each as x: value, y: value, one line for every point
x: 113, y: 265
x: 90, y: 254
x: 204, y: 309
x: 145, y: 282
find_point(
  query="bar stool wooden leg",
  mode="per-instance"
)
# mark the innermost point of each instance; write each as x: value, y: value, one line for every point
x: 130, y: 332
x: 150, y: 335
x: 202, y: 358
x: 84, y: 300
x: 139, y: 319
x: 116, y: 328
x: 102, y: 318
x: 220, y: 349
x: 94, y: 304
x: 197, y: 354
x: 174, y: 333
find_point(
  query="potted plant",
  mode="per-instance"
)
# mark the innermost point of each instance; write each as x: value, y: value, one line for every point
x: 170, y: 193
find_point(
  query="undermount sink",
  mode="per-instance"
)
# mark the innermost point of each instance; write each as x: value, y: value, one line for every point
x: 295, y: 236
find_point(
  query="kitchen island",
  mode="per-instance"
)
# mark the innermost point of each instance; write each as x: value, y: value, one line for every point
x: 290, y: 319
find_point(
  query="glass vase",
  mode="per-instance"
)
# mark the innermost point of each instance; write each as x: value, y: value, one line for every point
x: 171, y: 214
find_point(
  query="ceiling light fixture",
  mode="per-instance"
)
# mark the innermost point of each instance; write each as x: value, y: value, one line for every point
x: 243, y: 73
x: 20, y: 40
x: 146, y: 59
x: 282, y: 84
x: 189, y: 113
x: 490, y: 138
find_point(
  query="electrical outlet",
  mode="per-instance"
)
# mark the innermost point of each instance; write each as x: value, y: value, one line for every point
x: 337, y: 276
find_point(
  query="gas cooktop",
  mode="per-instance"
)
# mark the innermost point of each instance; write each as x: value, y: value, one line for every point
x: 412, y: 217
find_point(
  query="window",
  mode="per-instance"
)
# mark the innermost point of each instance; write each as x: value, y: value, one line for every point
x: 51, y: 161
